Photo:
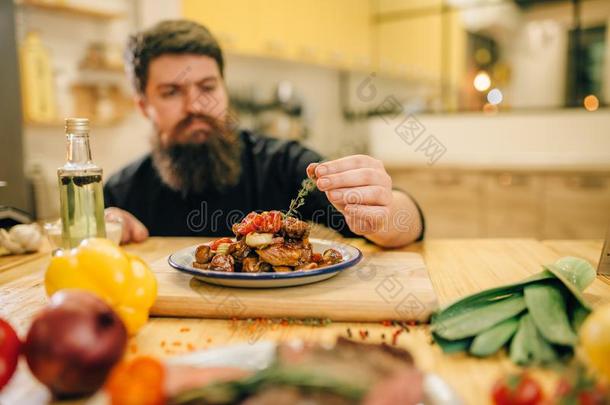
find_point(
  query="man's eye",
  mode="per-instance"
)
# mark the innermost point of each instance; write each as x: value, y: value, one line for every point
x: 169, y: 93
x: 207, y: 88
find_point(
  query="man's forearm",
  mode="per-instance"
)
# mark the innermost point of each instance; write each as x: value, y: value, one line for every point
x: 403, y: 226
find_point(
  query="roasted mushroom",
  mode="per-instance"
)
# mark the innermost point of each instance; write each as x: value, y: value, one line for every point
x: 203, y: 254
x: 331, y: 256
x: 222, y: 263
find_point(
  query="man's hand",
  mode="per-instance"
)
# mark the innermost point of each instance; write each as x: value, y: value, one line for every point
x: 361, y: 189
x: 133, y: 229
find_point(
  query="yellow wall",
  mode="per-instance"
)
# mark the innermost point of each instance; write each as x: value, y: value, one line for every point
x: 332, y: 33
x: 362, y: 35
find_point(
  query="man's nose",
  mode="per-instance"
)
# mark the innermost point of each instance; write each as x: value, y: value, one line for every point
x: 195, y: 100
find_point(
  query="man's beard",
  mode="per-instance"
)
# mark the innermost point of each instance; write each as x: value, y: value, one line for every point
x: 213, y: 165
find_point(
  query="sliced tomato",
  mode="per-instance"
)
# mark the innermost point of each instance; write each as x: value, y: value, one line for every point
x: 316, y: 257
x: 10, y: 347
x: 272, y: 222
x: 214, y: 245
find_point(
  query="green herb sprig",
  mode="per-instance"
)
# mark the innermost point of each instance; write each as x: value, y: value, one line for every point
x: 307, y: 186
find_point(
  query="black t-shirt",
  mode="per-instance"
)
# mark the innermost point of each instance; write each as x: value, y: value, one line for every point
x: 272, y: 172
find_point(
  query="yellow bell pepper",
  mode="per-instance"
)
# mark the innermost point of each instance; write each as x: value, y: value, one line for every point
x: 98, y: 265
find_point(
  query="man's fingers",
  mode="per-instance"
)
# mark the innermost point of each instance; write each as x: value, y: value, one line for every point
x: 354, y: 178
x: 136, y: 231
x: 347, y: 163
x: 366, y: 195
x: 366, y: 219
x: 132, y: 230
x: 139, y: 233
x: 311, y: 170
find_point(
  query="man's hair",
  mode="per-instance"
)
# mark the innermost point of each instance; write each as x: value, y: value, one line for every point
x: 175, y: 37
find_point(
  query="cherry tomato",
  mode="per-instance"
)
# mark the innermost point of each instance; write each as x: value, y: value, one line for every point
x: 267, y: 222
x: 10, y: 346
x: 216, y: 243
x: 247, y: 224
x: 518, y: 389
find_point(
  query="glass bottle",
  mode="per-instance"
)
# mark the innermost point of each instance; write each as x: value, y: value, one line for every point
x: 80, y: 188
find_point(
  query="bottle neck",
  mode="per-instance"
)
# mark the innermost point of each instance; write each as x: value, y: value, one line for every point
x: 78, y: 150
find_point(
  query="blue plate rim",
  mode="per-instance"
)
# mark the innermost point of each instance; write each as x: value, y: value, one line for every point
x: 271, y: 276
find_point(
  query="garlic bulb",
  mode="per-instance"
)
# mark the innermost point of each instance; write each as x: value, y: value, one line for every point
x: 21, y: 238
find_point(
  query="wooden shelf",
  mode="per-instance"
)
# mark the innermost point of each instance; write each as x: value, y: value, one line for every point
x: 73, y: 10
x: 60, y: 124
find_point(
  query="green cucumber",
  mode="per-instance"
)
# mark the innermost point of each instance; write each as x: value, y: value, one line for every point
x: 529, y: 346
x: 491, y: 340
x: 547, y: 306
x: 478, y: 319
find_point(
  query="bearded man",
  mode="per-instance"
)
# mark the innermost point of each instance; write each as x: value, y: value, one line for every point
x: 204, y: 174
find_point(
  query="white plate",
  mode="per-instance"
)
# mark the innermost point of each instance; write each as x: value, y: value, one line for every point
x: 182, y: 260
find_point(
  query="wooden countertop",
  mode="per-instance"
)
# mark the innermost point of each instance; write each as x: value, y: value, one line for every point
x: 457, y: 267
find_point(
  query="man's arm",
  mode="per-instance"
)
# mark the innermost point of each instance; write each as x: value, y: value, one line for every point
x: 360, y: 188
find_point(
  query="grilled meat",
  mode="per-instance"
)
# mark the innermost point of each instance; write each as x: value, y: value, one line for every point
x: 286, y: 254
x: 294, y: 228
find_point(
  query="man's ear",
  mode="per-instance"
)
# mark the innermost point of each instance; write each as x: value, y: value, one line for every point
x: 142, y: 105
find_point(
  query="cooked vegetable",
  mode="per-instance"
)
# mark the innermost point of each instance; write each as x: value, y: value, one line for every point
x: 223, y: 249
x: 549, y: 307
x: 264, y: 242
x: 256, y: 240
x: 517, y: 389
x: 74, y: 342
x: 10, y: 346
x: 490, y: 341
x: 266, y: 222
x: 331, y: 256
x: 214, y: 245
x: 101, y: 267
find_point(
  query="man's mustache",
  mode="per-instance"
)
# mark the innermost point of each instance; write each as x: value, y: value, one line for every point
x: 183, y: 124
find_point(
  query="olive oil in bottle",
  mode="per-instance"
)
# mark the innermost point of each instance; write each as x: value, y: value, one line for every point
x: 80, y: 188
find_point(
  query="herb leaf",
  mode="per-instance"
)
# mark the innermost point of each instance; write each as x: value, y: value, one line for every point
x: 307, y: 185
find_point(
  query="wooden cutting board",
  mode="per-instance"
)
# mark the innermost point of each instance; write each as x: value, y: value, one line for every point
x: 383, y: 286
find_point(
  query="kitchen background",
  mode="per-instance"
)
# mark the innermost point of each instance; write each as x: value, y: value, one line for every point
x: 492, y: 113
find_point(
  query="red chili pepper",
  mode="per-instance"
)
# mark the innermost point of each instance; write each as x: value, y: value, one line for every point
x: 395, y: 336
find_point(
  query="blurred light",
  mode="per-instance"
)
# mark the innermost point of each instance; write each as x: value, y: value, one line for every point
x: 494, y: 96
x: 482, y: 56
x: 591, y: 103
x: 482, y: 81
x: 490, y: 109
